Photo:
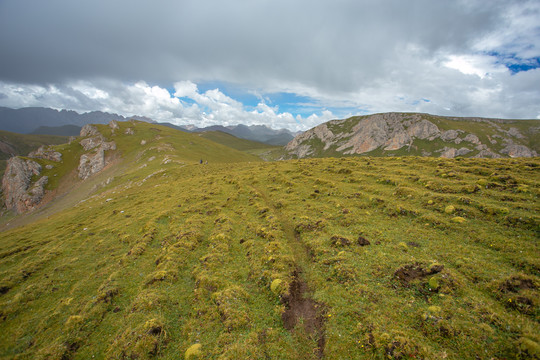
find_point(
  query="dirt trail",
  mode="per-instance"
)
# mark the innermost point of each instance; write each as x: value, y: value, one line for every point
x: 305, y: 312
x: 302, y: 315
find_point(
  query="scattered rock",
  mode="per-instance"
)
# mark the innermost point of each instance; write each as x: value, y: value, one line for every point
x: 129, y: 131
x: 19, y: 192
x: 143, y: 142
x: 47, y: 153
x: 114, y: 125
x: 472, y: 139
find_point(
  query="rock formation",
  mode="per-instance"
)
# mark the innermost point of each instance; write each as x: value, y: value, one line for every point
x: 19, y: 193
x: 514, y: 150
x: 94, y: 161
x: 400, y: 131
x: 46, y: 152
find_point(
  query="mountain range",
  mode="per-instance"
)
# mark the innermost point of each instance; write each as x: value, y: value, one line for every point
x: 38, y: 120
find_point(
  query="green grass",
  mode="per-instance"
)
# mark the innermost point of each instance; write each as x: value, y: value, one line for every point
x: 171, y: 254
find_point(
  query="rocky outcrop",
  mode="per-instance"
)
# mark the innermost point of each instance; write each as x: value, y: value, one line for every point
x: 47, y: 153
x: 91, y: 164
x: 449, y: 135
x: 472, y: 139
x: 514, y: 150
x: 89, y: 130
x: 20, y: 194
x: 390, y: 132
x: 113, y: 124
x: 94, y: 161
x: 423, y: 129
x: 451, y: 153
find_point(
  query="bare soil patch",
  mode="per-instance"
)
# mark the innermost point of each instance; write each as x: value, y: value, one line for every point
x: 305, y: 312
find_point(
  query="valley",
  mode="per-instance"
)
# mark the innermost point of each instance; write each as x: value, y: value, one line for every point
x: 158, y: 256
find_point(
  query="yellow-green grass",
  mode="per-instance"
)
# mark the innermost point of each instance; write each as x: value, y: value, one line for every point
x: 170, y: 255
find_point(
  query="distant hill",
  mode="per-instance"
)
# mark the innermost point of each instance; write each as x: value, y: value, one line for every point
x: 28, y: 120
x: 398, y: 134
x: 233, y: 141
x: 259, y: 133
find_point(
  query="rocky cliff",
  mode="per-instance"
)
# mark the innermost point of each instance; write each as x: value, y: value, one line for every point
x: 21, y: 193
x: 418, y: 134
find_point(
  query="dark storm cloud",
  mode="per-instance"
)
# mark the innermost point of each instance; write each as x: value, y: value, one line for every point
x: 467, y: 57
x: 334, y: 44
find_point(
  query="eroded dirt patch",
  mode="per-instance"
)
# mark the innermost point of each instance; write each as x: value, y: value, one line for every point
x: 304, y: 312
x: 410, y: 272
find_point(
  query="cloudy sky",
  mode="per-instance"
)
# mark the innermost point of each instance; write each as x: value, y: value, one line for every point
x: 283, y: 63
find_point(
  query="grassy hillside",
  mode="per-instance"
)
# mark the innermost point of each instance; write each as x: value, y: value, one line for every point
x: 491, y: 132
x: 23, y: 144
x: 352, y: 258
x: 265, y: 151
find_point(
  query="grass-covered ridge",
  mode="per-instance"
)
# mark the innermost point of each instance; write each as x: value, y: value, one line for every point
x: 388, y: 258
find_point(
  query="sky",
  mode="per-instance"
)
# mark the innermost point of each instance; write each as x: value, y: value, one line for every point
x: 282, y: 63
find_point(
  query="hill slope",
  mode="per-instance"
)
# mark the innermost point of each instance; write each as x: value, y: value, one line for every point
x: 356, y: 258
x: 118, y: 149
x: 396, y: 134
x: 12, y: 144
x: 259, y: 133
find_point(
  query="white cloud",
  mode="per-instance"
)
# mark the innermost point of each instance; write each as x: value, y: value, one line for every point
x: 480, y: 65
x: 212, y: 107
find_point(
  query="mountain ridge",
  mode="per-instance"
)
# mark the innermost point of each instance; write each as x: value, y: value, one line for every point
x: 391, y: 134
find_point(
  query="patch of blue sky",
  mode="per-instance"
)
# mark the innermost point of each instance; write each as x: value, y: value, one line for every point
x: 514, y: 63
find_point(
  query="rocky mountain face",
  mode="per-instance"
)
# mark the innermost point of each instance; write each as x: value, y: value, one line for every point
x: 23, y: 183
x: 418, y: 134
